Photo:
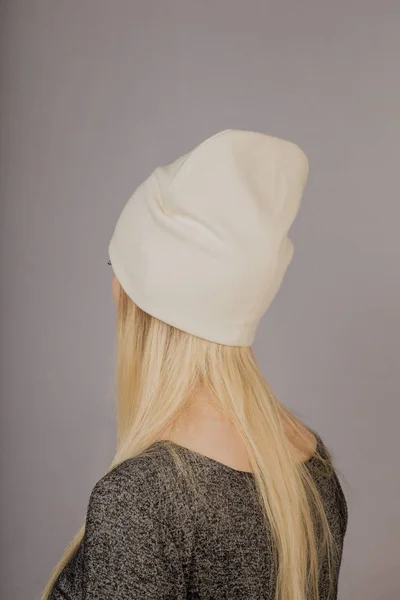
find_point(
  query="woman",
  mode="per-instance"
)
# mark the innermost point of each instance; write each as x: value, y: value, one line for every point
x: 216, y: 490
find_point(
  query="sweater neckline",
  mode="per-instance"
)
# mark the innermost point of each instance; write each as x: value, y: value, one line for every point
x: 222, y: 466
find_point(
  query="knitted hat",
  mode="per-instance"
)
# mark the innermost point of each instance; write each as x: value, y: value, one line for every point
x: 202, y: 243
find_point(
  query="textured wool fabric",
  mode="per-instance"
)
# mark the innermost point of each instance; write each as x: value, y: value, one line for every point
x: 203, y: 242
x: 150, y: 537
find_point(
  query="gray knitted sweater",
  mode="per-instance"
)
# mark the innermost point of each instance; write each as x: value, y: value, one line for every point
x: 149, y: 535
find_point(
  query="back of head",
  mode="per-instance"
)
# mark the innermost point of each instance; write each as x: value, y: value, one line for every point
x: 213, y: 224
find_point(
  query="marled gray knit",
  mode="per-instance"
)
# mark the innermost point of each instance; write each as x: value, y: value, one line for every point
x: 148, y: 536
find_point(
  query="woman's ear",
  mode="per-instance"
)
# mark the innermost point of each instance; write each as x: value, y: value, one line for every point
x: 115, y: 288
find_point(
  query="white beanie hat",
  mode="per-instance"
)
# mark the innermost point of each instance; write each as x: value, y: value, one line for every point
x: 202, y: 243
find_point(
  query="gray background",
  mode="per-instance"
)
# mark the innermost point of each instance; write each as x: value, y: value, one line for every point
x: 95, y: 94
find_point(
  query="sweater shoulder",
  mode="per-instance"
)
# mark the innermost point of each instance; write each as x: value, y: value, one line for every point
x: 149, y: 482
x: 146, y: 470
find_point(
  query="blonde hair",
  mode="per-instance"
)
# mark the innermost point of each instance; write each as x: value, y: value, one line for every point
x: 158, y: 368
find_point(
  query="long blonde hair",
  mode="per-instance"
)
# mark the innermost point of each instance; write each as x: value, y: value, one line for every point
x: 158, y: 367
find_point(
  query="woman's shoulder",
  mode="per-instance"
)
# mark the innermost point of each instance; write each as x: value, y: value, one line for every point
x: 144, y: 481
x: 327, y: 477
x: 135, y: 470
x: 141, y: 493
